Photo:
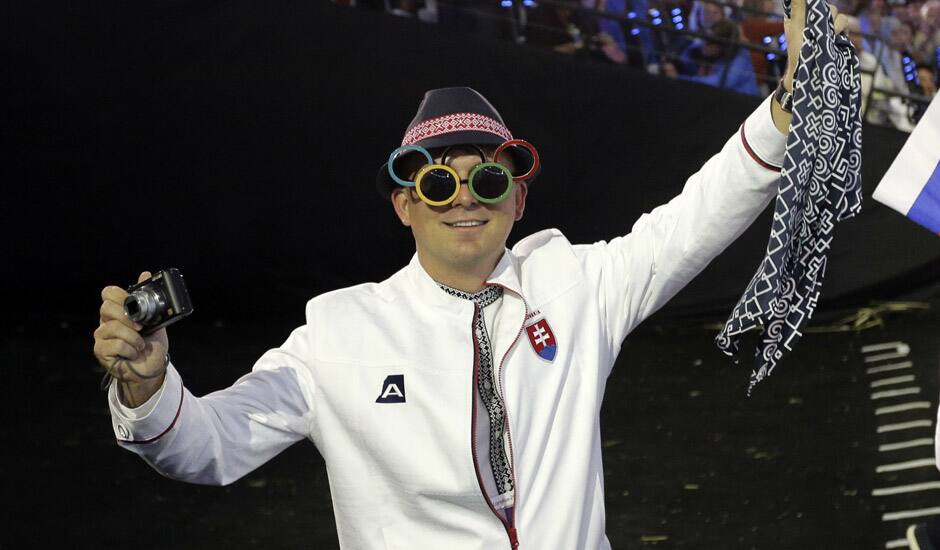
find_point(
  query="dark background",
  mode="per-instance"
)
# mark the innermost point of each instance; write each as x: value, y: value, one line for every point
x: 238, y: 141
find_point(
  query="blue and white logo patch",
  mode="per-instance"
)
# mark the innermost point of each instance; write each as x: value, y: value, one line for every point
x: 393, y: 389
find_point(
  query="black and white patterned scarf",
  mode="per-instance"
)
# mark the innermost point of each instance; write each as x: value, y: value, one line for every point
x: 820, y: 184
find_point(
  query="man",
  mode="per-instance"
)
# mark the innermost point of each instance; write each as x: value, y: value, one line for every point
x: 456, y: 403
x: 894, y: 110
x: 872, y: 75
x: 926, y: 25
x: 927, y: 76
x: 716, y: 62
x: 875, y: 20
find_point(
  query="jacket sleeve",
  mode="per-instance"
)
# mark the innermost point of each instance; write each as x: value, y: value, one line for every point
x: 218, y: 438
x: 670, y: 245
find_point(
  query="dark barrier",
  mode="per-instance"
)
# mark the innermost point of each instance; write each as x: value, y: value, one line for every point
x: 239, y: 142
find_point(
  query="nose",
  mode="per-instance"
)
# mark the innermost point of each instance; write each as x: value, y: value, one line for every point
x: 465, y: 198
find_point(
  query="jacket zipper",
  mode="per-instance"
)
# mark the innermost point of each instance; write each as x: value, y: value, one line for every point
x: 510, y: 527
x: 513, y: 537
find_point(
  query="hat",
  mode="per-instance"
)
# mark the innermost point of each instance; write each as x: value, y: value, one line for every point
x: 446, y: 117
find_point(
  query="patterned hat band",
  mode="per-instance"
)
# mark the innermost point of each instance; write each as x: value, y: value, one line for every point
x: 456, y: 122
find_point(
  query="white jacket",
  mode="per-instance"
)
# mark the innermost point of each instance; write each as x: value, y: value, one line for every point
x: 402, y: 474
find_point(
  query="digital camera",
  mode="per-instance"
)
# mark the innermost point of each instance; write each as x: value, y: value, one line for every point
x: 159, y: 301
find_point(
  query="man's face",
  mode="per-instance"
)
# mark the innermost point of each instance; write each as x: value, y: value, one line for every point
x: 910, y: 13
x: 930, y: 14
x: 927, y: 81
x: 466, y: 235
x: 900, y: 38
x: 711, y: 14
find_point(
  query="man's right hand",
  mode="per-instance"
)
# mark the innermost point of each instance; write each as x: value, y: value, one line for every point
x: 118, y: 342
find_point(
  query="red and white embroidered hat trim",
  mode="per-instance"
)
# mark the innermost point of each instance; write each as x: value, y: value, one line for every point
x: 456, y: 122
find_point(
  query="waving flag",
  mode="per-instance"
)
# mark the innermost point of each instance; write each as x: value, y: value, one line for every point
x: 912, y: 184
x: 820, y: 184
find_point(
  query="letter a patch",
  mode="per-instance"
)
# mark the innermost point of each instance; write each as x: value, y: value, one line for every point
x: 393, y: 389
x: 542, y: 339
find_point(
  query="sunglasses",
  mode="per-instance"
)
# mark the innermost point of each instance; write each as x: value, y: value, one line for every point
x: 490, y: 182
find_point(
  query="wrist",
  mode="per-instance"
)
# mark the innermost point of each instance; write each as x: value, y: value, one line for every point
x: 783, y: 97
x: 135, y: 394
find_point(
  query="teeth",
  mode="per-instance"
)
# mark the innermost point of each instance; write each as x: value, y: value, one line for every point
x: 466, y: 224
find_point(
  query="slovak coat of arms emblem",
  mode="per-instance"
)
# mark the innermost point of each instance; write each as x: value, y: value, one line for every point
x: 542, y: 339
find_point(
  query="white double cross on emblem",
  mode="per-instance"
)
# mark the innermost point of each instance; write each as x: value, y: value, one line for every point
x: 541, y: 336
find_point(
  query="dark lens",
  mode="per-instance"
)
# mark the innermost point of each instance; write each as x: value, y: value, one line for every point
x: 132, y: 307
x: 407, y: 164
x: 490, y: 182
x: 437, y: 185
x: 517, y: 158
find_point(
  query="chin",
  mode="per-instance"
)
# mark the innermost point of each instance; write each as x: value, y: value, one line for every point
x: 470, y: 256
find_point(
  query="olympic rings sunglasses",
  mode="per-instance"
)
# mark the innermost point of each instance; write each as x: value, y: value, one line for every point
x: 489, y: 182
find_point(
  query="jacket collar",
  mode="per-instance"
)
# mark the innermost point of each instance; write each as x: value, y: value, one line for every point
x: 505, y: 274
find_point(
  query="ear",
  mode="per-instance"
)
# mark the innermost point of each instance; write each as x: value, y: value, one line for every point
x: 521, y: 191
x: 401, y: 202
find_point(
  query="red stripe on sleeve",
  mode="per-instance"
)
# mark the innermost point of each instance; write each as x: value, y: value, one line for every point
x: 754, y: 156
x: 170, y: 427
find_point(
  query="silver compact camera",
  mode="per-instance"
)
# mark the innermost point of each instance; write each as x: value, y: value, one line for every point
x: 159, y: 301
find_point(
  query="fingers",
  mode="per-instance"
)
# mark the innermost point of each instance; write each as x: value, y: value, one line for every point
x: 112, y: 307
x: 112, y: 303
x: 117, y: 294
x: 841, y: 24
x: 114, y: 294
x: 115, y: 335
x: 113, y: 311
x: 107, y: 351
x: 839, y: 21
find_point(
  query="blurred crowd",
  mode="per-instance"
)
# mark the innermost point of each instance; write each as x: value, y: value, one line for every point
x: 734, y: 44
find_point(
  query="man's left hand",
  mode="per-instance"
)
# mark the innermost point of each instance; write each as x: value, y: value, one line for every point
x: 793, y: 27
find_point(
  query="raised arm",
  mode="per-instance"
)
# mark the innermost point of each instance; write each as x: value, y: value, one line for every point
x: 667, y: 247
x: 137, y: 363
x: 215, y: 439
x: 218, y: 438
x: 793, y: 27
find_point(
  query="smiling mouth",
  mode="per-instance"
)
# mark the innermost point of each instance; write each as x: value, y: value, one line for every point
x: 468, y: 223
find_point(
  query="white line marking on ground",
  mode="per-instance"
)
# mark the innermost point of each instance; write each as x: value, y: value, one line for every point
x: 894, y: 380
x: 881, y: 347
x: 907, y: 514
x: 912, y: 488
x: 897, y: 543
x: 923, y: 442
x: 909, y: 465
x: 886, y: 356
x: 903, y: 407
x: 905, y: 425
x: 889, y: 367
x: 895, y: 393
x: 899, y: 349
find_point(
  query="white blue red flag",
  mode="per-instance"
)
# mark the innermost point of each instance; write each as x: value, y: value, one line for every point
x: 912, y: 184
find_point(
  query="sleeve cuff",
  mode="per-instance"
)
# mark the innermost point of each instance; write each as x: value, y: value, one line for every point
x: 154, y: 418
x: 761, y: 139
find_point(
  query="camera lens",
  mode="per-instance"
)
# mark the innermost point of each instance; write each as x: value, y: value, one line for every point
x: 132, y: 308
x: 143, y: 306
